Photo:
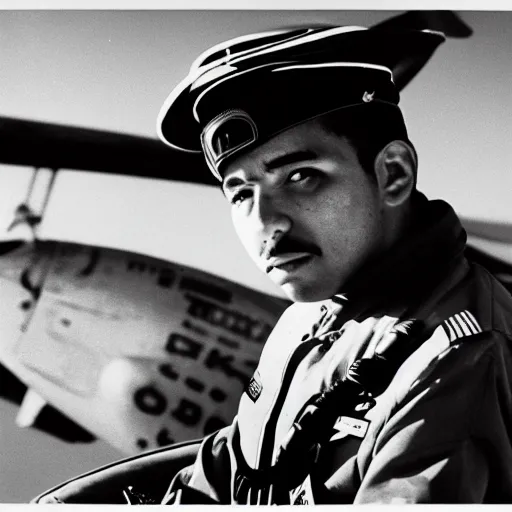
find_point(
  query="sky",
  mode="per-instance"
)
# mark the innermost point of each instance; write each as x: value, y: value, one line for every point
x: 112, y: 70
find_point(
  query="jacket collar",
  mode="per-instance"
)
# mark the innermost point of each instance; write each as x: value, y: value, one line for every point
x: 413, y: 267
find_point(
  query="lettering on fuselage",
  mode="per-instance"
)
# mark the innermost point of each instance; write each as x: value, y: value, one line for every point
x: 228, y: 319
x: 213, y: 336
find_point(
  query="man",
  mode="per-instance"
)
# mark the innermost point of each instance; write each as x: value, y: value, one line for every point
x: 387, y: 380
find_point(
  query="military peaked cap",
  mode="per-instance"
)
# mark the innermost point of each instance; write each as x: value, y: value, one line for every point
x: 242, y: 92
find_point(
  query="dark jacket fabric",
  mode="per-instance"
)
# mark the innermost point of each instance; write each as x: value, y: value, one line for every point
x: 441, y: 430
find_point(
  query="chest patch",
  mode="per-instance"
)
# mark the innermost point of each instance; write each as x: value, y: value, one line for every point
x: 347, y: 426
x: 255, y: 387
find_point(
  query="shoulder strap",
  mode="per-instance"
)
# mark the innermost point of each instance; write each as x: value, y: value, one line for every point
x: 460, y: 325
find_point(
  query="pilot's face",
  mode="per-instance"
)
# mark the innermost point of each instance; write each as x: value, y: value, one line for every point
x: 305, y: 210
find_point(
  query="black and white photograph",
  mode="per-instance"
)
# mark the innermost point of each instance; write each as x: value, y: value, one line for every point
x: 255, y: 256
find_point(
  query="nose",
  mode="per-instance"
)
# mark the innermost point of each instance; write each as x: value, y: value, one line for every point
x: 270, y: 217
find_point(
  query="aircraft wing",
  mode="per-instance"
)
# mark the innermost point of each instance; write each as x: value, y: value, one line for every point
x: 139, y: 351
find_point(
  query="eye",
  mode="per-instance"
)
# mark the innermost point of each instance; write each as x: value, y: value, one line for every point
x: 240, y: 196
x: 299, y: 175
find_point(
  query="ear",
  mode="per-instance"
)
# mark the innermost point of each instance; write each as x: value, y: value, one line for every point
x: 395, y: 169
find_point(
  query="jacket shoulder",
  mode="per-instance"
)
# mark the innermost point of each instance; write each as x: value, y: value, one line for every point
x: 492, y: 302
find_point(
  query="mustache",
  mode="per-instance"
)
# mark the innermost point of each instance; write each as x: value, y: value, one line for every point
x: 287, y: 244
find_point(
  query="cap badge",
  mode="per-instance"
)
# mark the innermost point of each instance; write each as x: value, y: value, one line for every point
x: 368, y: 96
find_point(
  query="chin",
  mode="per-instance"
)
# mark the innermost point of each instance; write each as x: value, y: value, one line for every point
x: 304, y: 293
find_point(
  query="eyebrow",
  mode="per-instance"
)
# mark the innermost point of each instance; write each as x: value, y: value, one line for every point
x: 231, y: 183
x: 287, y: 159
x: 291, y: 158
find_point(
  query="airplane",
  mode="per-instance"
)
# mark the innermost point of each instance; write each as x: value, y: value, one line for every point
x: 139, y: 350
x: 144, y: 334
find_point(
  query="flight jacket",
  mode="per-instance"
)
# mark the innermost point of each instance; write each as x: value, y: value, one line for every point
x: 439, y: 433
